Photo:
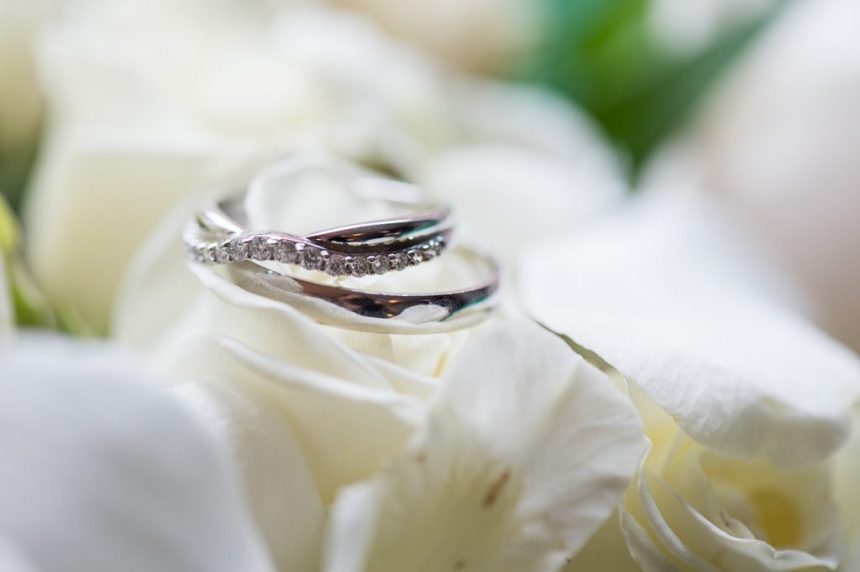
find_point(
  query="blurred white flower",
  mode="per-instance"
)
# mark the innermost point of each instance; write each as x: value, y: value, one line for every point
x: 744, y: 402
x: 529, y: 167
x: 20, y: 95
x: 103, y: 472
x: 476, y: 35
x: 306, y: 409
x: 779, y: 139
x: 152, y: 101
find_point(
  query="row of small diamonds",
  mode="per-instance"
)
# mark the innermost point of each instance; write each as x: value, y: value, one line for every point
x: 262, y: 248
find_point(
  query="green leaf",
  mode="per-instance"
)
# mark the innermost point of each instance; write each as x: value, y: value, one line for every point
x: 30, y: 305
x: 604, y: 55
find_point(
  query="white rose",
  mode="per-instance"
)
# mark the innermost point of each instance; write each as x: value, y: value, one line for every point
x: 778, y: 139
x: 743, y: 401
x: 101, y: 471
x: 359, y: 433
x: 151, y: 101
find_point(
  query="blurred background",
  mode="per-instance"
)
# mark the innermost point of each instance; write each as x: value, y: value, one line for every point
x: 754, y: 101
x: 638, y: 67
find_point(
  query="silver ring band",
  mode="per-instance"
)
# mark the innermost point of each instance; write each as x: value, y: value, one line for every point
x: 383, y: 312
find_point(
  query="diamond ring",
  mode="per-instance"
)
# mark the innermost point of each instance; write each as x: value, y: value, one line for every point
x: 218, y: 234
x: 264, y: 262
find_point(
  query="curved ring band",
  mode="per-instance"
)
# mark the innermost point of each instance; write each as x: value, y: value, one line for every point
x: 384, y: 312
x: 219, y: 235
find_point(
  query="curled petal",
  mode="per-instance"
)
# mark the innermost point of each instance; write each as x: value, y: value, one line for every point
x: 687, y: 516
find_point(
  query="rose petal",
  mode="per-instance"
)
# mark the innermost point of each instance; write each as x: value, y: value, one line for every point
x: 101, y: 472
x: 667, y: 296
x: 519, y: 138
x: 561, y: 194
x: 275, y: 329
x: 278, y: 482
x: 693, y: 542
x: 523, y: 456
x: 642, y: 547
x: 95, y: 197
x: 345, y: 429
x: 535, y: 119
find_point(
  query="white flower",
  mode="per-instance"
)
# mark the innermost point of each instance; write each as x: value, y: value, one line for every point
x: 152, y: 101
x: 103, y: 472
x: 779, y: 139
x: 307, y: 410
x: 744, y: 402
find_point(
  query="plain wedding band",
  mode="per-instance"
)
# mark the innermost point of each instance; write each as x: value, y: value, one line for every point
x: 382, y: 312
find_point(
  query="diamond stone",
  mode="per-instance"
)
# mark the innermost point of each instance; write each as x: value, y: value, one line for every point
x: 259, y: 249
x: 337, y: 265
x: 380, y: 264
x: 438, y: 245
x: 312, y: 258
x: 238, y: 249
x: 399, y: 260
x: 427, y: 252
x: 222, y: 253
x: 415, y: 257
x: 209, y: 253
x: 359, y: 266
x: 285, y: 251
x: 194, y: 253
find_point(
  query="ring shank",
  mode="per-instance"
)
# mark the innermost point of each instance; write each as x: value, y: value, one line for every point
x: 378, y: 311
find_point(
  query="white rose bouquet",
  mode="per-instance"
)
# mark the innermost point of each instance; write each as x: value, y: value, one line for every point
x: 362, y: 309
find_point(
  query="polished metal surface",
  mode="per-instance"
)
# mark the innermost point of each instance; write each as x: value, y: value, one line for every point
x: 264, y: 262
x: 365, y: 310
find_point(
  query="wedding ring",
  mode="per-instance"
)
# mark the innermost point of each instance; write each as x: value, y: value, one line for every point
x: 219, y: 235
x: 383, y: 312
